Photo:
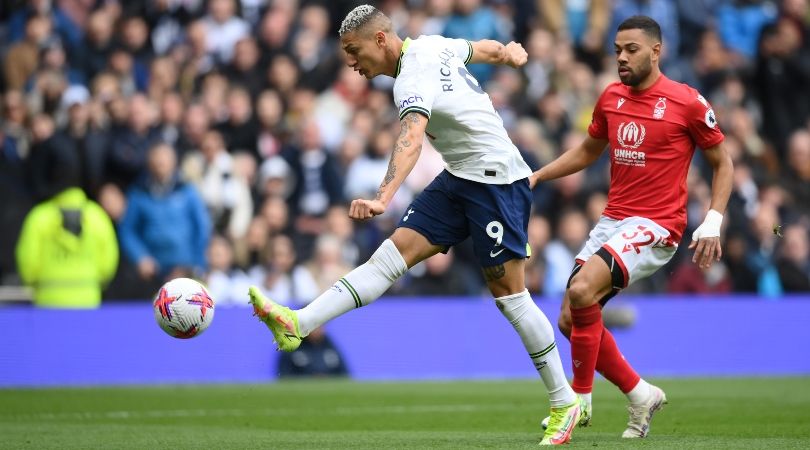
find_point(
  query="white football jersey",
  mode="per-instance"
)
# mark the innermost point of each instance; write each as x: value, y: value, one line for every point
x: 432, y: 79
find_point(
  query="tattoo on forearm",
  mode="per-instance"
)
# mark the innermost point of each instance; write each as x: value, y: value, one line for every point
x: 402, y: 141
x: 389, y: 175
x: 493, y: 273
x: 402, y: 144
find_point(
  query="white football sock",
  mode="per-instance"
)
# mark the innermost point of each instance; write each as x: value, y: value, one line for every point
x: 358, y: 288
x: 538, y: 337
x: 640, y: 393
x: 587, y: 397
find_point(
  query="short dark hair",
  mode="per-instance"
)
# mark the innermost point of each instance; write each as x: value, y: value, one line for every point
x: 644, y: 23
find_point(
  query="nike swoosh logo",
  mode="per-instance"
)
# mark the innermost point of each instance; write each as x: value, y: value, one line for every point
x: 494, y: 254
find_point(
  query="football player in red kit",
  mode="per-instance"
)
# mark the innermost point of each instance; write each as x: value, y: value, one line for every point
x: 651, y: 126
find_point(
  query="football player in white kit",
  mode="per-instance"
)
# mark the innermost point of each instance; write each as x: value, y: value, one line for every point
x: 483, y: 193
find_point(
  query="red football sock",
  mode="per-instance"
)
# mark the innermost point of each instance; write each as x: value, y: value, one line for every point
x: 612, y: 365
x: 586, y: 334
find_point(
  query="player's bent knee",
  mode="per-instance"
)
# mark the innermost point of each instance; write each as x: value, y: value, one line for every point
x: 503, y: 288
x: 580, y: 293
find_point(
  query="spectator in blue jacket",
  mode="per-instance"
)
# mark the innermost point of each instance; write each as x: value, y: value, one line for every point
x: 740, y: 23
x: 474, y: 22
x: 68, y: 31
x: 166, y: 227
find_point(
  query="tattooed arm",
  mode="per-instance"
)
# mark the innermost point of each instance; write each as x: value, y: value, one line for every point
x: 406, y: 152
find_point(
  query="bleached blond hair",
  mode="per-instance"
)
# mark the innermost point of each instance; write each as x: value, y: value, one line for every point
x: 361, y: 16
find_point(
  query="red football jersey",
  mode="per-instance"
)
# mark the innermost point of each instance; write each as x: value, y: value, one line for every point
x: 652, y: 134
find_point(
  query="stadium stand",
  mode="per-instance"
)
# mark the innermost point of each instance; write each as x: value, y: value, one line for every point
x: 276, y: 135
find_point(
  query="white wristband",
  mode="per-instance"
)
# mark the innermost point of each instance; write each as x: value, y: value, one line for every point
x: 710, y: 226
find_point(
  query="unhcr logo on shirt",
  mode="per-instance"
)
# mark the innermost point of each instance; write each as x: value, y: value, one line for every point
x: 627, y: 157
x: 630, y: 135
x: 629, y: 154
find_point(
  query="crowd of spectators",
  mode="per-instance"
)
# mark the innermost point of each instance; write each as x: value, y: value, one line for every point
x: 225, y: 138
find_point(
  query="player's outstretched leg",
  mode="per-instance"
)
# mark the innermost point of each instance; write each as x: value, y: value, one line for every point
x: 359, y: 287
x: 562, y: 421
x: 282, y: 321
x: 641, y: 413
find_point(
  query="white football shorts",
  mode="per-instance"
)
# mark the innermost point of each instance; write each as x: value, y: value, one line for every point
x: 638, y: 246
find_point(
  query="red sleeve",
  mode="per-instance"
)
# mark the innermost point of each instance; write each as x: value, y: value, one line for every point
x: 598, y: 128
x: 703, y: 125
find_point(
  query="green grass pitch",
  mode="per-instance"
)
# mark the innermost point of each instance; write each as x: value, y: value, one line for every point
x: 703, y: 413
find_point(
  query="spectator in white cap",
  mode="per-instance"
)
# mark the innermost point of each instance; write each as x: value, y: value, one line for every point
x: 73, y: 95
x: 89, y: 141
x: 275, y: 178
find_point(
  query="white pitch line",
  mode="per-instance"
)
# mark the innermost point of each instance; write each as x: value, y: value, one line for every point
x: 341, y: 411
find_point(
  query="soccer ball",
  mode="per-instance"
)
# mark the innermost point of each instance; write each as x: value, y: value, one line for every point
x: 183, y: 308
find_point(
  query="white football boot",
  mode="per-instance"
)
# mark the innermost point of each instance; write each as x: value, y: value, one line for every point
x: 641, y: 414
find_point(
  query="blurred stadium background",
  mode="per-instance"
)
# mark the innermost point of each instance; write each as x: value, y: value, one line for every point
x: 275, y: 136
